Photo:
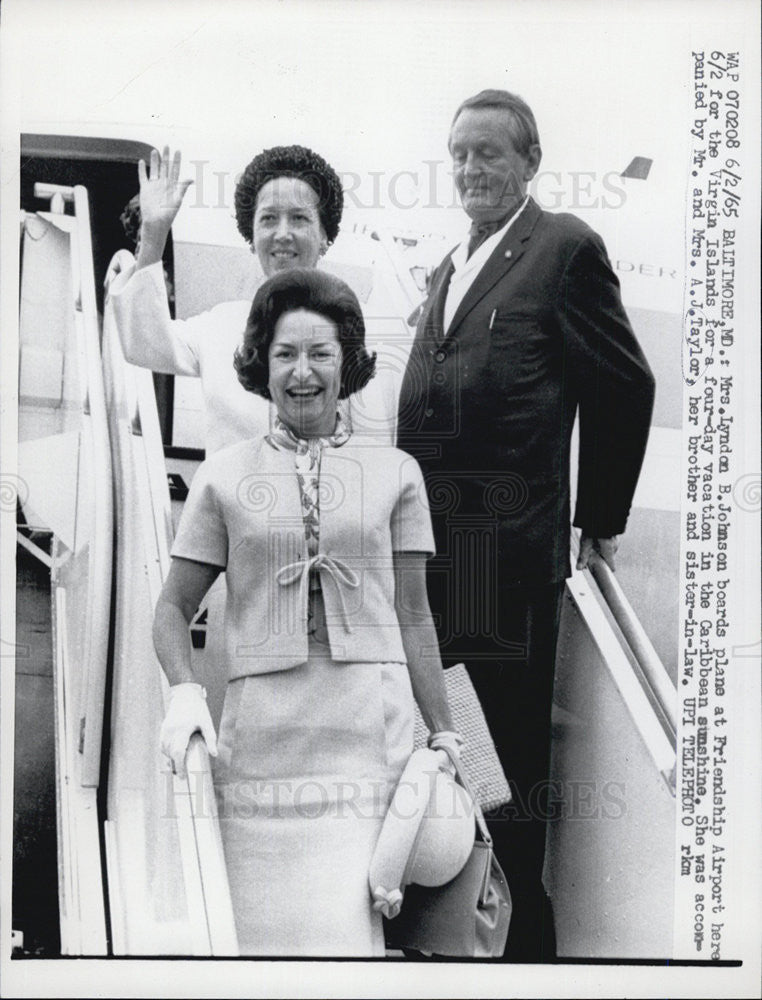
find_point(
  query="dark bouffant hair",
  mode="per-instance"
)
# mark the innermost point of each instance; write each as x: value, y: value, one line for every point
x: 320, y: 292
x: 290, y: 161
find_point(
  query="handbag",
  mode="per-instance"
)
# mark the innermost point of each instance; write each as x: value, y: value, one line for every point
x: 467, y: 917
x: 479, y: 755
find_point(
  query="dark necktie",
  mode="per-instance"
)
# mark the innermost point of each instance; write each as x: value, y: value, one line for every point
x: 482, y: 231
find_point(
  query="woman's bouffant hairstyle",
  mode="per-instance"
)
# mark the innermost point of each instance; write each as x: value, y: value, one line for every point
x: 290, y: 161
x: 322, y: 293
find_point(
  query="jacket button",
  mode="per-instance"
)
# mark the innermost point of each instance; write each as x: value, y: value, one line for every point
x: 440, y: 356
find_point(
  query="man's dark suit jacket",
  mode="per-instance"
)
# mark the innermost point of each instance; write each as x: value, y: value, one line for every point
x: 488, y: 410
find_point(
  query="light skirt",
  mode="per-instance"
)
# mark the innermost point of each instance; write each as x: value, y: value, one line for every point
x: 308, y: 761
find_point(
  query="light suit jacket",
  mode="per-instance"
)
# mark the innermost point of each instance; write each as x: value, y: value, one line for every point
x: 244, y: 514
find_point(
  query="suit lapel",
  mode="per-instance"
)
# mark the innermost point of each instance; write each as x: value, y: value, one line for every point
x: 501, y: 260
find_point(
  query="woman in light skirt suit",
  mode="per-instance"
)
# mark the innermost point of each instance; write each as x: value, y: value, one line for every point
x: 323, y: 538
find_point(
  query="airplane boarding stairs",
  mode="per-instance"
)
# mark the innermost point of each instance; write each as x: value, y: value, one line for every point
x: 65, y: 517
x: 611, y: 833
x: 140, y: 867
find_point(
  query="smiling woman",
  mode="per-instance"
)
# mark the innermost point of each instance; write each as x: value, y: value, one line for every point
x: 305, y: 339
x: 287, y: 231
x: 328, y: 634
x: 288, y: 206
x: 305, y: 372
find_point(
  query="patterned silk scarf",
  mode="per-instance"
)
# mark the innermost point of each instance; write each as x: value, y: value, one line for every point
x: 307, y: 455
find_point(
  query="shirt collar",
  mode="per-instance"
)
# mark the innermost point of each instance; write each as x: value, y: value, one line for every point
x: 480, y: 255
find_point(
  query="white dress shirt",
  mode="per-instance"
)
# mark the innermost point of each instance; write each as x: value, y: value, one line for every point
x: 466, y: 269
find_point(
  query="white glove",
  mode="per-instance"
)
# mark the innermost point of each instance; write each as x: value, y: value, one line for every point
x: 447, y: 740
x: 186, y: 715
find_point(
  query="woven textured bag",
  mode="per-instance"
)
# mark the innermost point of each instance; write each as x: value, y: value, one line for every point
x: 479, y: 757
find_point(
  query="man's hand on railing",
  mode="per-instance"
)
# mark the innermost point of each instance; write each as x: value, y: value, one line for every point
x: 605, y: 547
x: 187, y: 713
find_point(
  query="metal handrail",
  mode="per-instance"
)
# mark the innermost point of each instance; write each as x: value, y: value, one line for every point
x: 201, y: 853
x: 80, y: 681
x: 94, y: 404
x: 618, y: 660
x: 642, y: 648
x: 648, y: 660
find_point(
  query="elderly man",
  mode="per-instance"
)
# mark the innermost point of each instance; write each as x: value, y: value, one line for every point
x: 523, y: 329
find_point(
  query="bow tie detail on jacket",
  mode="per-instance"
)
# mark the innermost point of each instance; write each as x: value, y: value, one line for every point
x: 339, y: 572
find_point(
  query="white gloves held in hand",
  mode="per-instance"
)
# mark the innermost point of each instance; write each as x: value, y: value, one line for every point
x: 447, y: 740
x: 187, y: 714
